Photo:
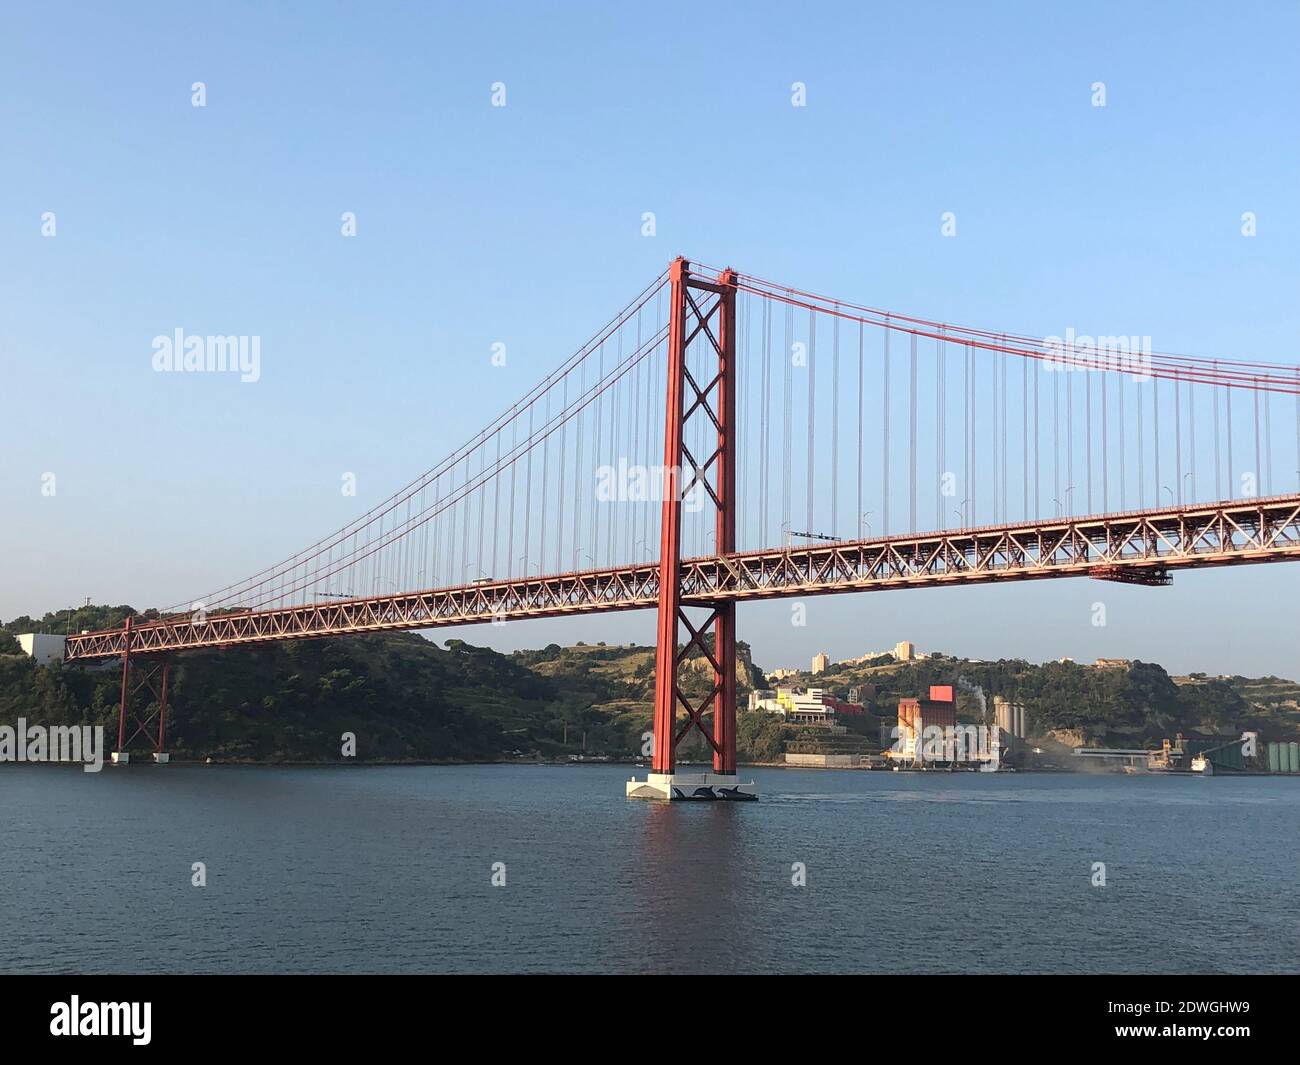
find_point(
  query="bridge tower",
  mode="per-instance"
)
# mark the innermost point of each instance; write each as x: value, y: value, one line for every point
x: 701, y: 384
x: 142, y: 717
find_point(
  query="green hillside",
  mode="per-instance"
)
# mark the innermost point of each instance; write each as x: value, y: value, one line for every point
x: 408, y: 698
x: 1133, y: 706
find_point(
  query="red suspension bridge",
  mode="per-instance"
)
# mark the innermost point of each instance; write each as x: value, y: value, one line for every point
x: 669, y: 462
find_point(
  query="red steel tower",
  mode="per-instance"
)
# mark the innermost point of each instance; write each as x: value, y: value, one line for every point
x: 701, y: 385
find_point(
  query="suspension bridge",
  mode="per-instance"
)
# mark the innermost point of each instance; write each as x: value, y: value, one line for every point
x: 667, y: 464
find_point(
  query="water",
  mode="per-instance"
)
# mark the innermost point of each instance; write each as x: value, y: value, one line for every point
x: 388, y: 870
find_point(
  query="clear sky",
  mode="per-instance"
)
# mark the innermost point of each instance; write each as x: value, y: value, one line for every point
x: 523, y: 224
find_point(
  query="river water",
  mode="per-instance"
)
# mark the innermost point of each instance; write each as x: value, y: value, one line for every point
x: 390, y: 870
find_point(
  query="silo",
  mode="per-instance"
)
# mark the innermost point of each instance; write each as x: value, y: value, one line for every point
x: 1293, y: 756
x: 1020, y: 720
x: 1274, y: 758
x: 1004, y: 715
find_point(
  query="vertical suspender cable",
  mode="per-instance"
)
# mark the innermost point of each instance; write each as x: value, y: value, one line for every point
x: 911, y: 528
x: 1142, y: 458
x: 1087, y: 434
x: 1218, y: 455
x: 578, y: 466
x: 1268, y: 444
x: 967, y: 475
x: 765, y: 436
x: 1056, y: 436
x: 546, y: 494
x: 1155, y: 432
x: 812, y: 412
x: 1024, y: 437
x: 1121, y: 381
x: 941, y: 419
x: 496, y: 511
x: 613, y: 454
x: 1105, y: 450
x: 560, y: 499
x: 528, y: 493
x: 1178, y: 439
x: 835, y: 423
x: 787, y: 429
x: 1259, y: 466
x: 1069, y: 440
x: 598, y: 455
x: 1038, y: 452
x: 857, y: 520
x: 884, y: 435
x: 1232, y: 476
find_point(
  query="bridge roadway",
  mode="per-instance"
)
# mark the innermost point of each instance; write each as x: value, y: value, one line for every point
x: 1142, y: 547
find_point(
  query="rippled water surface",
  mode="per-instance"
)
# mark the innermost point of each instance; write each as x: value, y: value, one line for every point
x: 389, y: 870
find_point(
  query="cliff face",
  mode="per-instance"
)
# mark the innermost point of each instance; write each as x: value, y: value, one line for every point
x: 744, y: 668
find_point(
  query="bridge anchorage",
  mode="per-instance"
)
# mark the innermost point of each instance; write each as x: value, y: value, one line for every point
x: 701, y: 385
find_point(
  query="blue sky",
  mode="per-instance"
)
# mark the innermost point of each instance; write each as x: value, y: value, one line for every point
x: 523, y: 224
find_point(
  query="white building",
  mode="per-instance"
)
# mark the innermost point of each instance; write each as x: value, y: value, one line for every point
x: 42, y: 647
x: 797, y: 707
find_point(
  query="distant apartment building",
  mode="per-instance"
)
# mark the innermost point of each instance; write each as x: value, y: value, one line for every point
x: 903, y: 651
x: 1113, y: 663
x: 820, y: 663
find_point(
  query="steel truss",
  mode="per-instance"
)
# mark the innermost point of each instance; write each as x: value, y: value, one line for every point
x: 1139, y: 545
x: 148, y: 717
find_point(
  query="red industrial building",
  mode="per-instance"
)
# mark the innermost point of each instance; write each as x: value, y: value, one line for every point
x: 939, y: 709
x: 842, y: 708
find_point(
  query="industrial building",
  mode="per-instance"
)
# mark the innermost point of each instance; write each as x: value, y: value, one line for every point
x: 1009, y: 716
x: 915, y: 715
x: 1284, y: 757
x: 1200, y: 754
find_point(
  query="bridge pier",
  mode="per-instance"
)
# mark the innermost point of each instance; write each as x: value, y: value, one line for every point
x: 702, y: 312
x: 153, y: 678
x: 677, y: 787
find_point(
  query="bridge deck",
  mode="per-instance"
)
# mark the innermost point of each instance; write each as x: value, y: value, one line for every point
x: 1140, y: 546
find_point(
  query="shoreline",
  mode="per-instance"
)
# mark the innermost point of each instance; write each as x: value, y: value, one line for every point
x: 566, y: 764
